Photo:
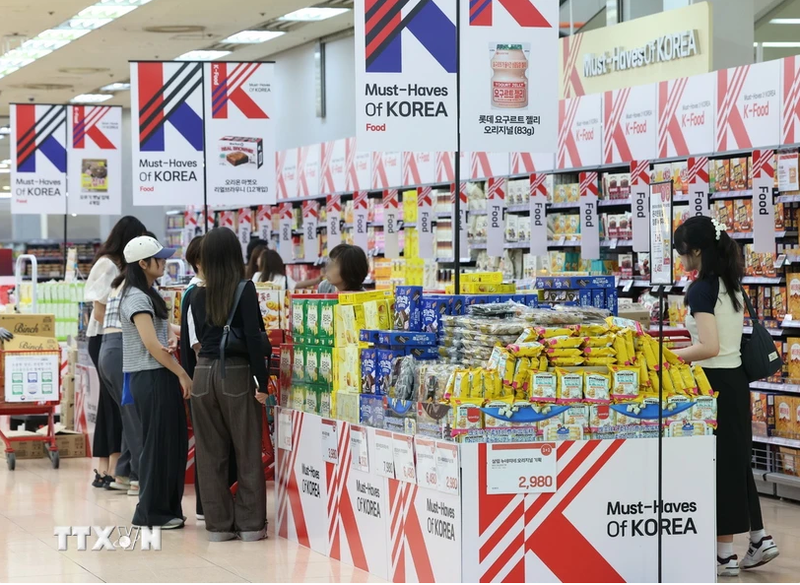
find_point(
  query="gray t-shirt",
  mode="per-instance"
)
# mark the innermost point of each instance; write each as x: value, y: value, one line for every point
x: 135, y: 357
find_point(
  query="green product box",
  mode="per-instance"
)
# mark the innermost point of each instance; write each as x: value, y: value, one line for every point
x: 325, y: 408
x: 298, y: 320
x: 326, y: 321
x: 299, y: 364
x: 312, y: 319
x: 318, y: 400
x: 312, y: 365
x: 297, y: 400
x: 326, y: 366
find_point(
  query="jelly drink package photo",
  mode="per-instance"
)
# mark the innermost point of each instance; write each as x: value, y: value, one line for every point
x: 509, y: 87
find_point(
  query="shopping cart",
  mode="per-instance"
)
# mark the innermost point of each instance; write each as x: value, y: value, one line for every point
x: 47, y: 408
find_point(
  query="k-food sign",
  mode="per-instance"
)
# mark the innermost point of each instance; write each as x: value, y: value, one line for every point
x: 405, y: 75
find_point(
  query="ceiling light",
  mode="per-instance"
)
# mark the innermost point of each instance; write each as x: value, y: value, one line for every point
x: 313, y: 13
x: 785, y: 21
x: 116, y: 87
x: 91, y: 98
x: 87, y: 20
x: 778, y: 44
x: 253, y: 37
x: 6, y: 188
x: 5, y: 162
x: 5, y: 130
x: 202, y: 55
x: 5, y: 171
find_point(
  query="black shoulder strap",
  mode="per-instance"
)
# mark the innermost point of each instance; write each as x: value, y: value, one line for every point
x: 749, y: 305
x: 227, y: 329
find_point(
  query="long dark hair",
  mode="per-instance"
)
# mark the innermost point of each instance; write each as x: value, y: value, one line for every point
x: 223, y: 269
x: 252, y: 265
x: 271, y: 265
x: 134, y: 277
x: 720, y: 257
x: 123, y: 232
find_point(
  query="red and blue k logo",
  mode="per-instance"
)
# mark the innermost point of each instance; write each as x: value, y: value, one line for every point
x: 227, y: 81
x: 40, y: 133
x: 523, y: 11
x: 385, y: 20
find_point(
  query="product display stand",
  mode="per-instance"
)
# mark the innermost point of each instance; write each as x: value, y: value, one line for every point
x: 457, y: 167
x: 660, y: 422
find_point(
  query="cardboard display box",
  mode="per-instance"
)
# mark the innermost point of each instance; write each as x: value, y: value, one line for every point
x: 38, y: 325
x: 25, y: 449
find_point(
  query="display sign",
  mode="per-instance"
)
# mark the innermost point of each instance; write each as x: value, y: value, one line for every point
x: 580, y: 132
x: 788, y: 171
x: 333, y: 206
x: 405, y: 76
x: 386, y: 170
x: 333, y: 166
x: 484, y: 165
x: 403, y: 452
x: 590, y: 220
x: 665, y: 45
x: 167, y: 109
x: 425, y: 450
x: 521, y: 468
x: 384, y: 454
x: 445, y: 163
x: 699, y: 196
x: 94, y: 160
x: 686, y: 116
x: 240, y: 132
x: 661, y: 267
x: 285, y: 430
x: 361, y: 220
x: 31, y: 377
x: 509, y: 50
x: 763, y: 201
x: 286, y: 243
x: 425, y: 222
x: 790, y: 116
x: 264, y: 221
x: 463, y: 234
x: 538, y: 201
x: 358, y: 449
x: 245, y: 228
x: 286, y: 173
x: 38, y: 159
x: 447, y: 468
x: 358, y: 165
x: 310, y: 223
x: 748, y: 106
x: 496, y: 225
x: 419, y: 168
x: 308, y: 170
x: 525, y: 163
x: 640, y: 200
x: 391, y: 224
x: 629, y: 124
x: 330, y: 441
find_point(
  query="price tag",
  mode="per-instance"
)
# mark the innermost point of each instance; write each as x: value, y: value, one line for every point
x: 667, y: 289
x: 384, y: 454
x: 627, y: 284
x: 521, y: 468
x: 404, y: 458
x: 780, y: 261
x: 358, y: 449
x: 426, y: 462
x: 330, y: 441
x: 447, y: 467
x: 285, y: 430
x: 562, y: 240
x: 614, y: 243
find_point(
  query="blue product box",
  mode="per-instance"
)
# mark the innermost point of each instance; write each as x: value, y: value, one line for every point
x: 371, y: 410
x: 574, y: 282
x: 422, y: 352
x: 504, y: 298
x: 532, y: 300
x: 585, y: 297
x: 394, y: 338
x: 433, y: 307
x: 408, y: 308
x: 400, y: 416
x: 369, y: 371
x: 455, y: 304
x: 598, y: 298
x: 612, y: 303
x: 369, y: 335
x: 386, y: 359
x: 519, y: 298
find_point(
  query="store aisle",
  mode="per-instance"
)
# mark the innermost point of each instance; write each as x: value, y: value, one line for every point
x: 36, y: 497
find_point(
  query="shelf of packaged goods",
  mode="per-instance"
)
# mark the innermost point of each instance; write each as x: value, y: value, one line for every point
x: 444, y: 214
x: 517, y: 245
x: 794, y: 443
x: 776, y: 386
x: 749, y: 235
x: 477, y: 212
x: 775, y: 332
x: 668, y: 330
x: 518, y: 208
x: 790, y: 324
x: 762, y: 280
x: 644, y: 283
x: 788, y: 199
x: 615, y: 243
x: 477, y: 245
x: 612, y: 202
x: 48, y: 259
x: 680, y: 198
x: 564, y: 242
x: 732, y: 194
x: 564, y: 205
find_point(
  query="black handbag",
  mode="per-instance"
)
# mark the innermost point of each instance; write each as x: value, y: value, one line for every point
x: 760, y: 358
x: 233, y: 339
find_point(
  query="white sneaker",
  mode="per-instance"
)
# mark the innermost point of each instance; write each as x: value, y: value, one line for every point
x: 728, y: 567
x: 134, y: 489
x: 173, y: 524
x: 201, y: 517
x: 760, y: 553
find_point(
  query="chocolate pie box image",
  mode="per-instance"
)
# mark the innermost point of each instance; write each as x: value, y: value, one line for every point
x: 237, y: 151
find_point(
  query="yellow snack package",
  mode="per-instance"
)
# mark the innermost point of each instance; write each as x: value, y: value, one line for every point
x: 562, y: 342
x: 528, y: 334
x: 599, y: 361
x: 599, y: 351
x: 523, y: 374
x: 599, y: 341
x: 593, y: 330
x: 666, y: 380
x: 705, y: 409
x: 597, y: 387
x: 565, y: 331
x: 653, y: 380
x: 508, y: 370
x: 650, y: 356
x: 703, y: 386
x: 505, y: 409
x: 467, y: 415
x: 641, y: 361
x: 570, y: 386
x: 543, y: 387
x: 671, y: 357
x: 559, y: 353
x: 688, y: 379
x: 476, y: 389
x: 624, y: 382
x: 627, y: 335
x: 567, y: 361
x: 527, y: 349
x: 677, y: 380
x: 461, y: 385
x: 621, y: 348
x: 543, y: 364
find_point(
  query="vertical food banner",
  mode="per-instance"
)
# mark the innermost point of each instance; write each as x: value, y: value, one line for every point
x: 94, y: 160
x: 167, y: 136
x: 763, y: 201
x: 590, y: 222
x: 640, y: 192
x: 310, y: 237
x: 462, y: 218
x: 333, y: 205
x: 286, y: 243
x: 286, y: 173
x: 509, y: 75
x: 264, y: 222
x: 425, y: 222
x: 39, y: 159
x: 360, y: 220
x: 245, y: 228
x: 538, y: 200
x: 405, y: 74
x: 496, y: 230
x: 240, y: 133
x: 699, y: 197
x: 190, y: 227
x: 391, y: 222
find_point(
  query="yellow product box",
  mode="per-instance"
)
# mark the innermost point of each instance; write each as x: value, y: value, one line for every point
x: 37, y: 325
x: 271, y: 303
x: 360, y: 321
x: 357, y: 298
x: 297, y: 397
x: 371, y: 320
x: 484, y: 277
x: 348, y: 369
x: 410, y: 206
x: 346, y: 407
x: 31, y: 343
x: 785, y: 408
x: 345, y: 325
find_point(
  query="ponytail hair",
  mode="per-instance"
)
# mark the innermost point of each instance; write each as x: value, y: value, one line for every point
x: 720, y: 256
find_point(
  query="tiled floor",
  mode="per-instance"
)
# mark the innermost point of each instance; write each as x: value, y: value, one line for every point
x: 35, y: 497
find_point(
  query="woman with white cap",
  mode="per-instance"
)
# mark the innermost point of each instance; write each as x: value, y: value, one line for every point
x: 155, y: 380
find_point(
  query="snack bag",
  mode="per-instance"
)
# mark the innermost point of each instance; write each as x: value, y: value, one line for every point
x: 559, y: 353
x: 599, y: 341
x: 689, y: 383
x: 593, y: 330
x: 600, y: 361
x: 550, y: 332
x: 522, y: 375
x: 562, y: 342
x: 467, y: 415
x: 599, y: 352
x: 677, y: 379
x: 625, y: 382
x: 570, y: 386
x: 597, y: 387
x: 543, y: 387
x: 476, y: 387
x: 602, y: 418
x: 621, y: 349
x: 526, y: 349
x: 543, y: 365
x: 578, y: 414
x: 567, y: 361
x: 505, y: 408
x: 528, y: 334
x: 705, y: 409
x: 703, y: 387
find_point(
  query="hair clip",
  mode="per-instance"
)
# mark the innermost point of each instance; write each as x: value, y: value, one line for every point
x: 718, y: 228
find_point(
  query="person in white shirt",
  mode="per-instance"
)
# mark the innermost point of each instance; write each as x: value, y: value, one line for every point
x: 107, y: 445
x: 272, y: 269
x: 715, y: 322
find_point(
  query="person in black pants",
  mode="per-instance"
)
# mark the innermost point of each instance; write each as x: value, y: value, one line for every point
x: 228, y: 407
x: 189, y: 346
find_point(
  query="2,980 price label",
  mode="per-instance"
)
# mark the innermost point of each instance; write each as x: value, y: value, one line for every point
x: 521, y: 468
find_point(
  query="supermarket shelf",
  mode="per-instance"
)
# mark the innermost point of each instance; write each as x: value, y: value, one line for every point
x: 732, y: 194
x: 747, y: 330
x: 516, y: 245
x: 788, y: 199
x: 564, y: 242
x: 777, y: 386
x: 518, y: 208
x: 762, y: 280
x: 615, y: 243
x: 565, y: 205
x: 477, y: 212
x: 781, y: 442
x: 613, y: 202
x: 790, y: 324
x: 749, y: 235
